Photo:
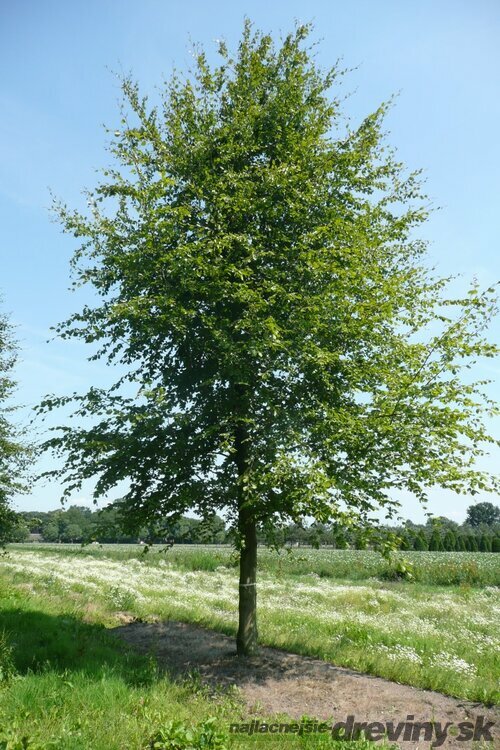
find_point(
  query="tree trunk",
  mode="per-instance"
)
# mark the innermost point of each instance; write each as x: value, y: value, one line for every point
x: 246, y: 641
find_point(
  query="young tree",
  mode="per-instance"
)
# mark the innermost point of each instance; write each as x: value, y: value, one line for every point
x: 435, y: 543
x: 262, y: 286
x: 473, y: 543
x: 485, y: 543
x: 450, y: 540
x: 420, y: 542
x: 13, y: 454
x: 461, y: 543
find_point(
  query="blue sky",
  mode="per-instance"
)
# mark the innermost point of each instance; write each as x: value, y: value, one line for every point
x: 58, y: 63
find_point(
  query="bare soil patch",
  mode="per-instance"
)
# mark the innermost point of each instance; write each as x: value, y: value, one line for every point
x: 277, y: 683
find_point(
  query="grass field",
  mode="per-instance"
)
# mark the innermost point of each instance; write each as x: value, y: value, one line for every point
x: 435, y: 568
x: 440, y: 630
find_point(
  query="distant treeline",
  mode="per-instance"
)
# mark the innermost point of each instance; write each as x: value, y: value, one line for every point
x: 481, y: 531
x: 80, y: 524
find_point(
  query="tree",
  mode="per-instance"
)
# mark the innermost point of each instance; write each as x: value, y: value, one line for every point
x: 472, y: 543
x: 20, y: 531
x: 296, y: 534
x: 461, y: 543
x: 13, y: 453
x: 261, y: 283
x: 340, y: 537
x: 50, y: 531
x: 483, y: 513
x: 316, y: 534
x: 442, y: 522
x: 450, y: 540
x: 211, y: 530
x: 485, y: 543
x: 71, y: 532
x: 33, y: 522
x: 420, y: 542
x: 361, y: 540
x: 435, y: 543
x: 77, y: 516
x: 106, y: 526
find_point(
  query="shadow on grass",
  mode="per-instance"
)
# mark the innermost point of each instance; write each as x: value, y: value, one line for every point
x: 63, y: 643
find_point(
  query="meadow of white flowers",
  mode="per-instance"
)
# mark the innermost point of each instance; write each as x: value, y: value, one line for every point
x: 443, y: 638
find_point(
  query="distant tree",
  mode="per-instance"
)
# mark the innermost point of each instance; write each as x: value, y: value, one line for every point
x: 211, y: 530
x: 435, y: 543
x: 258, y: 276
x: 71, y: 532
x: 361, y: 539
x: 20, y: 531
x: 472, y: 543
x: 408, y: 524
x: 449, y: 541
x: 461, y: 543
x: 442, y: 522
x: 420, y: 542
x: 329, y: 534
x: 106, y: 526
x: 50, y: 531
x: 34, y: 524
x: 405, y: 539
x: 495, y: 544
x: 76, y: 516
x: 485, y: 543
x: 185, y: 530
x: 340, y: 538
x: 317, y: 533
x: 483, y: 513
x: 296, y: 534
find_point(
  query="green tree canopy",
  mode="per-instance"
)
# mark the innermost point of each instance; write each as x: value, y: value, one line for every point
x: 483, y: 513
x: 262, y: 284
x: 13, y: 453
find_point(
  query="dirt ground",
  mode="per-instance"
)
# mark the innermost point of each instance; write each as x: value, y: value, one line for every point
x: 276, y: 683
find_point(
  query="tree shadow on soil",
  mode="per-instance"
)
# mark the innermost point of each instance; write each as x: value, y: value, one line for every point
x: 183, y: 648
x: 275, y: 682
